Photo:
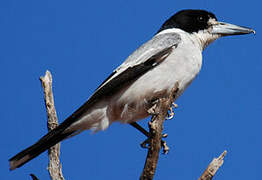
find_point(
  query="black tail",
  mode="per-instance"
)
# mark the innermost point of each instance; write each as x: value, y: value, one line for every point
x: 47, y: 141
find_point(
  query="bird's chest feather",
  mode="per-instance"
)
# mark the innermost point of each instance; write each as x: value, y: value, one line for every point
x: 182, y: 66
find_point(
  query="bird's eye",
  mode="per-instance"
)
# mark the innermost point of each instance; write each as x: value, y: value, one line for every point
x: 200, y: 18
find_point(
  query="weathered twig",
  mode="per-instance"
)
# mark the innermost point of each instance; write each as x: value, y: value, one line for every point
x: 54, y: 167
x: 159, y: 113
x: 213, y: 167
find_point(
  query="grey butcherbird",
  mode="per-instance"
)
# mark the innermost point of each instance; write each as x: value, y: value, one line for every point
x: 173, y: 55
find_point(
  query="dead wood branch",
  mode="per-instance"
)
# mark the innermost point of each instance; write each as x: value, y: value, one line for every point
x: 54, y: 167
x: 159, y: 113
x: 213, y: 167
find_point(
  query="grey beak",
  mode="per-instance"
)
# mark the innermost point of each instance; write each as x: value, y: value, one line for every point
x: 225, y: 29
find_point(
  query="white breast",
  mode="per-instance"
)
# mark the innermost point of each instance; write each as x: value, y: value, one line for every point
x: 181, y: 66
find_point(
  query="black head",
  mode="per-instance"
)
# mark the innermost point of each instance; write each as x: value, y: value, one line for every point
x: 189, y: 20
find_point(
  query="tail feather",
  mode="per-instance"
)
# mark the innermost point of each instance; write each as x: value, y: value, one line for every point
x: 47, y: 141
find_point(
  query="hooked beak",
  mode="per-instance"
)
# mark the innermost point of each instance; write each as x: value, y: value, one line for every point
x: 225, y: 29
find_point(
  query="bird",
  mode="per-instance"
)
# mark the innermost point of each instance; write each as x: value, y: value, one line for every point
x: 173, y: 54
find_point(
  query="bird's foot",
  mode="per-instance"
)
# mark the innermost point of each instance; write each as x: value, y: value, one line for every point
x: 165, y: 147
x: 145, y: 144
x: 152, y: 110
x: 171, y: 111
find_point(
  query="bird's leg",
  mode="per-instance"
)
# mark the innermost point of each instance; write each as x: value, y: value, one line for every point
x: 171, y: 111
x: 152, y: 111
x: 145, y: 143
x: 140, y: 128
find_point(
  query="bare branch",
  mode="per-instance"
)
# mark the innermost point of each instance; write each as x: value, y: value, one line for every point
x: 54, y: 167
x: 213, y: 167
x: 159, y: 113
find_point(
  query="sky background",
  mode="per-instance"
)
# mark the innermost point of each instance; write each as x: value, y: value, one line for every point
x: 81, y: 42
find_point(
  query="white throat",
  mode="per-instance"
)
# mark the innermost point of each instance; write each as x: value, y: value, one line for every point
x: 205, y: 38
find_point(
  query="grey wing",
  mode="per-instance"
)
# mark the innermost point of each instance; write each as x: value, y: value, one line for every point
x: 148, y: 56
x: 156, y: 47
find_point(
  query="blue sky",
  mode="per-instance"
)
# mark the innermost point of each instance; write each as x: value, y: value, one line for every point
x: 81, y: 42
